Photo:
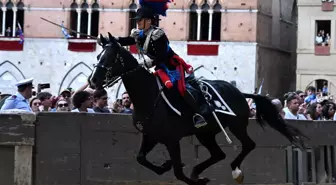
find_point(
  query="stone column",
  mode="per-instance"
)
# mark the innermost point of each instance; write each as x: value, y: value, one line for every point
x: 4, y: 9
x: 199, y: 13
x: 89, y: 21
x: 210, y: 24
x: 78, y: 21
x: 14, y: 21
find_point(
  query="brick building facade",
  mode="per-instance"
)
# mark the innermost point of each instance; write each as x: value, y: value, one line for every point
x: 244, y: 41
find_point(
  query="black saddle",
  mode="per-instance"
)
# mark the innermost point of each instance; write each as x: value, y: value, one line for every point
x: 191, y: 78
x: 193, y: 87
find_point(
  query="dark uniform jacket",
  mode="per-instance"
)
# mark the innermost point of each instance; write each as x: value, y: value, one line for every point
x: 157, y: 49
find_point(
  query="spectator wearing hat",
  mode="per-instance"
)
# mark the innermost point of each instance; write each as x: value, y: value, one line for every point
x: 66, y: 95
x: 20, y: 100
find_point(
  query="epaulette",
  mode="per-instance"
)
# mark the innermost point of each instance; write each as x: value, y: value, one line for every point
x: 157, y: 33
x: 13, y: 97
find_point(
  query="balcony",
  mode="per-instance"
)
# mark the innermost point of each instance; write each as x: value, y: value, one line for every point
x: 322, y: 50
x: 205, y: 48
x: 10, y: 44
x: 327, y: 5
x: 82, y: 45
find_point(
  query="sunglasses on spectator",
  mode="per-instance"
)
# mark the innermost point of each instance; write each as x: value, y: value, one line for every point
x: 63, y: 105
x: 36, y: 104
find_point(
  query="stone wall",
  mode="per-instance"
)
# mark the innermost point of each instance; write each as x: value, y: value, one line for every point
x: 17, y: 132
x: 49, y: 61
x: 276, y: 38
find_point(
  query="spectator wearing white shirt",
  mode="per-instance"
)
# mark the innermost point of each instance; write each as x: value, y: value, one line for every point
x: 319, y: 39
x: 293, y: 108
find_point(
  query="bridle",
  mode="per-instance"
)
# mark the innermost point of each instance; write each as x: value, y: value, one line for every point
x: 110, y: 81
x: 113, y: 80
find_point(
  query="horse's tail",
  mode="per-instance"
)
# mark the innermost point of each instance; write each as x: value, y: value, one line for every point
x: 266, y: 111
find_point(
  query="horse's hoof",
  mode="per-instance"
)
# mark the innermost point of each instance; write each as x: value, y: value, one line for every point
x: 238, y: 176
x: 203, y: 181
x: 240, y: 179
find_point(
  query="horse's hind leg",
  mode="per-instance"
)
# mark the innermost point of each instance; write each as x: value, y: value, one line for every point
x: 209, y: 142
x: 175, y: 154
x: 146, y: 146
x: 240, y: 131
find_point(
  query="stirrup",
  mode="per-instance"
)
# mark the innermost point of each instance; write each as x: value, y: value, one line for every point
x: 203, y: 122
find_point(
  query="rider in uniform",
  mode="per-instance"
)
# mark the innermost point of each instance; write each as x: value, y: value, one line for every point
x: 19, y: 100
x: 153, y: 42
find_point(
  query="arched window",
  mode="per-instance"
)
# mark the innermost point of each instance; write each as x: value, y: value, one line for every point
x: 9, y: 19
x: 85, y: 19
x: 1, y: 23
x: 321, y: 84
x: 205, y: 23
x: 84, y: 16
x: 95, y: 19
x: 132, y: 12
x: 73, y: 17
x: 216, y: 22
x: 193, y: 21
x: 20, y: 15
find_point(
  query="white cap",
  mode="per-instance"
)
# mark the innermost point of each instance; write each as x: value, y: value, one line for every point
x: 25, y: 81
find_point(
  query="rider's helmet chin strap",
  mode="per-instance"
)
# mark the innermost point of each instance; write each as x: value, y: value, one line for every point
x: 142, y: 31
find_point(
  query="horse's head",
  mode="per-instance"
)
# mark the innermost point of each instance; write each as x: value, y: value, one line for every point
x: 110, y: 64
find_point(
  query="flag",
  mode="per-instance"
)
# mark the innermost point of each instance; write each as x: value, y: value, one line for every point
x: 20, y: 33
x: 65, y: 33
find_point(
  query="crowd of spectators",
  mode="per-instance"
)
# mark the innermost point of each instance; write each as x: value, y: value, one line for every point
x: 84, y: 99
x: 302, y: 105
x: 305, y: 105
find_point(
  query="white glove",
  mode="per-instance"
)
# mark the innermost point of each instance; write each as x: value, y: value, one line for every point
x: 134, y: 32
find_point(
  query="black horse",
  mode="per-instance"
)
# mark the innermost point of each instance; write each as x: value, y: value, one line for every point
x: 160, y: 124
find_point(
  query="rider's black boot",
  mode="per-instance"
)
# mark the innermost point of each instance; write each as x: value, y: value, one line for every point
x: 198, y: 119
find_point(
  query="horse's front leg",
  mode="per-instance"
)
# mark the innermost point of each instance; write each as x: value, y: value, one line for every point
x: 175, y: 154
x: 146, y: 146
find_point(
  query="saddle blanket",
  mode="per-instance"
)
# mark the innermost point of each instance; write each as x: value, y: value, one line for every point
x: 218, y: 102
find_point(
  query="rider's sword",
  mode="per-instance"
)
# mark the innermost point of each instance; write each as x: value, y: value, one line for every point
x: 71, y: 30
